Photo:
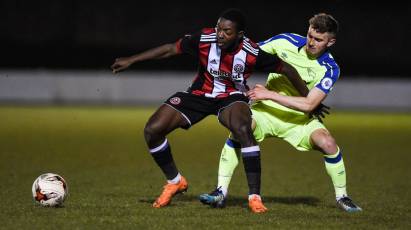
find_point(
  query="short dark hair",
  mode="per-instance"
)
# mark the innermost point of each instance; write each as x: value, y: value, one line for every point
x: 236, y: 16
x: 323, y: 22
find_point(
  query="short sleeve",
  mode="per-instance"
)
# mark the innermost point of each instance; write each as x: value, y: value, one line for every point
x: 268, y: 46
x: 331, y: 75
x: 327, y: 82
x: 189, y: 44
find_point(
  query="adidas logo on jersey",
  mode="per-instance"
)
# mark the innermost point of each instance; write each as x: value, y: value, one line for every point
x: 213, y: 61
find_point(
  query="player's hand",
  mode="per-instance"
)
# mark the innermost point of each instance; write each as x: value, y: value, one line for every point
x: 320, y: 112
x: 120, y: 64
x: 259, y: 92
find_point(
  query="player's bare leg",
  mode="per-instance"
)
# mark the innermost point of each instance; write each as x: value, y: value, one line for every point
x: 237, y: 118
x: 161, y: 123
x: 323, y: 141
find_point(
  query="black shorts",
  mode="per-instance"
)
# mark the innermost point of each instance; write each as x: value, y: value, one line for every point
x: 194, y: 108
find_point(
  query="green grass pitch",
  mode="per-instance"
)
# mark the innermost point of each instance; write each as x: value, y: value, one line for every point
x: 113, y: 180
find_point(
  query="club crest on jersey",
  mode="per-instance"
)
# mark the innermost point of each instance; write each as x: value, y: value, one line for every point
x: 175, y: 100
x: 326, y: 83
x: 238, y: 68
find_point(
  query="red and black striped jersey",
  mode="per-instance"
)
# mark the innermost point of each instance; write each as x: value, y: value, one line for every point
x: 222, y: 73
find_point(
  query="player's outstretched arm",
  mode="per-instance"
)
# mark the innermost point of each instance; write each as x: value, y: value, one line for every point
x: 305, y: 104
x: 159, y: 52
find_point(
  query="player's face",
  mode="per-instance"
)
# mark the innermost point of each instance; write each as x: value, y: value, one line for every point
x: 318, y: 42
x: 227, y: 34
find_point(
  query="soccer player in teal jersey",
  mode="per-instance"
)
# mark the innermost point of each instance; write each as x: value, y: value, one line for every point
x: 280, y: 111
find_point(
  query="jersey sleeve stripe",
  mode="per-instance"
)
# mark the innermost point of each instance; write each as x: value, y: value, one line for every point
x: 208, y: 36
x: 294, y: 39
x: 208, y: 39
x: 331, y: 75
x: 250, y: 51
x: 248, y: 47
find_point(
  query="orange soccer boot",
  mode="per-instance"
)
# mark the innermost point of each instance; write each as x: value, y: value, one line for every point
x: 256, y: 204
x: 170, y: 190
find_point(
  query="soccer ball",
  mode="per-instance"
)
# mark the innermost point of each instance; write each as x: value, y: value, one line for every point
x: 50, y: 189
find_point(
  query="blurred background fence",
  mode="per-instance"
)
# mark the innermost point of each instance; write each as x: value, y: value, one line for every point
x: 150, y: 88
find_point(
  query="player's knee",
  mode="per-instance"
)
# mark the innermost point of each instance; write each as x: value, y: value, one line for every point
x: 151, y: 132
x: 329, y: 145
x: 242, y: 132
x: 240, y: 129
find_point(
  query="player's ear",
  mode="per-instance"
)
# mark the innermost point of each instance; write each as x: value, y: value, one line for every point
x: 331, y: 42
x: 241, y: 34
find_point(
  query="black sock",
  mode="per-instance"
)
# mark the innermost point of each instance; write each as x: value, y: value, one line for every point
x: 252, y: 166
x: 162, y: 156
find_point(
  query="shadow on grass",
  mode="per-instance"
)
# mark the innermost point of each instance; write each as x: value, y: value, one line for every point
x: 240, y: 200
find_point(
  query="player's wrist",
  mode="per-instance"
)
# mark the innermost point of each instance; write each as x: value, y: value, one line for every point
x: 272, y: 96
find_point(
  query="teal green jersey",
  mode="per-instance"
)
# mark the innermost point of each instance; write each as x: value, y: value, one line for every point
x: 321, y: 72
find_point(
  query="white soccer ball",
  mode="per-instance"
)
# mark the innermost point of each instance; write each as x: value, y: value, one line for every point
x: 50, y: 189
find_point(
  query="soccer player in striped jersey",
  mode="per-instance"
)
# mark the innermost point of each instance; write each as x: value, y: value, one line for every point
x: 226, y: 59
x: 280, y: 111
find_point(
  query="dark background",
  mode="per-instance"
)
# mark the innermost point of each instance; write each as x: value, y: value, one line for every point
x: 374, y: 38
